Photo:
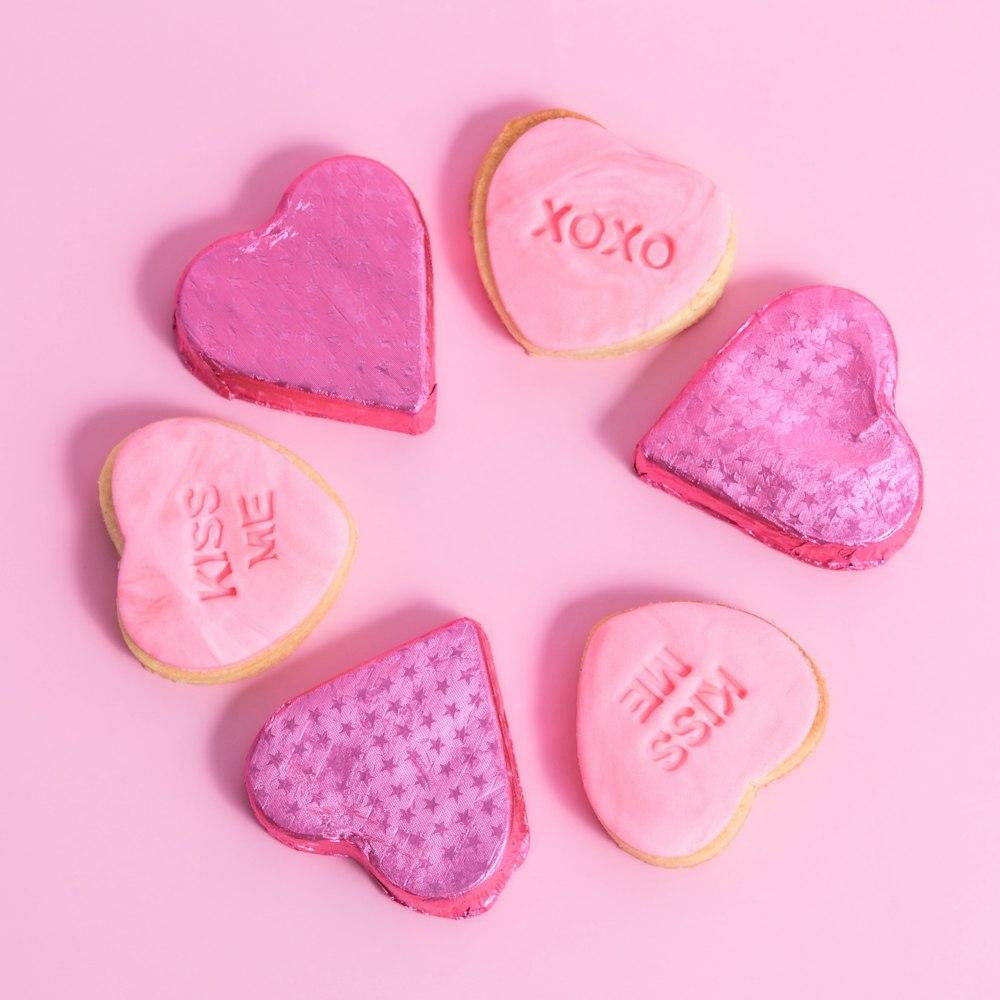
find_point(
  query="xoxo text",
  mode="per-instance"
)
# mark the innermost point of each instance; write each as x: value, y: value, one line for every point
x: 586, y: 230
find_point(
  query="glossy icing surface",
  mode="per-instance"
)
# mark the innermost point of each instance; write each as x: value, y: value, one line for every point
x: 790, y: 432
x: 229, y: 545
x: 592, y: 243
x: 404, y: 764
x: 327, y: 309
x: 683, y: 709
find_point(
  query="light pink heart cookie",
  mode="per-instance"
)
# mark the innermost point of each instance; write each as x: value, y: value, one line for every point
x: 326, y: 310
x: 232, y: 549
x: 790, y: 433
x: 405, y: 765
x: 588, y: 247
x: 684, y: 711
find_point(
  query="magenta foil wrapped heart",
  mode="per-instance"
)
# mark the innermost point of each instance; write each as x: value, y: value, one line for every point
x: 405, y: 765
x: 324, y: 311
x: 790, y: 433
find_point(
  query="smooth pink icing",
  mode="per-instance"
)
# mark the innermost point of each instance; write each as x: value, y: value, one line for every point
x: 327, y: 309
x: 674, y: 813
x: 405, y: 765
x: 566, y: 298
x: 790, y: 432
x: 281, y: 563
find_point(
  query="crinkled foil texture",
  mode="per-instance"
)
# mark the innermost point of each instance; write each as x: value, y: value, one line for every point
x: 331, y: 298
x: 790, y: 433
x: 405, y: 763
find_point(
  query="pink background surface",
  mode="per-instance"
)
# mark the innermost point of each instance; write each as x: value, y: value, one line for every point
x: 855, y: 142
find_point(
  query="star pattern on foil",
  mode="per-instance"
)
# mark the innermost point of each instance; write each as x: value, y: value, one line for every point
x: 786, y: 421
x: 316, y: 301
x: 422, y: 784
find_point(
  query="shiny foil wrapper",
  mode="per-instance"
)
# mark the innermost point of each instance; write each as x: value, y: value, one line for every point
x: 405, y: 765
x: 326, y: 310
x: 790, y: 433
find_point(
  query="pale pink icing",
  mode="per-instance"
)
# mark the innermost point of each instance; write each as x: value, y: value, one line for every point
x: 190, y: 489
x: 327, y: 309
x: 563, y: 297
x: 790, y: 432
x: 405, y: 765
x: 673, y: 813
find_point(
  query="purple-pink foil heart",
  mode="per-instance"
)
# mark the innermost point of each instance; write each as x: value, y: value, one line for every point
x: 405, y: 765
x: 326, y: 310
x: 790, y: 433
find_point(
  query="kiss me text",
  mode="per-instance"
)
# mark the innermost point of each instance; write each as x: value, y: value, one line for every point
x: 210, y: 562
x: 714, y: 698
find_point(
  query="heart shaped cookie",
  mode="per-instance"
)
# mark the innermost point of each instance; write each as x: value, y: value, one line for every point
x: 232, y: 549
x: 405, y: 765
x: 790, y: 433
x: 588, y: 247
x: 684, y: 711
x: 324, y: 311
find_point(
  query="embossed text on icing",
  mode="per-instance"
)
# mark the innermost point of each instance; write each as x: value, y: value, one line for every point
x: 257, y: 513
x: 209, y: 555
x: 209, y: 560
x: 712, y: 701
x: 653, y: 683
x: 588, y: 230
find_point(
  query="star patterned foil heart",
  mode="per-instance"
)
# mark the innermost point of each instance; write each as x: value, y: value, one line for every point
x: 588, y: 247
x: 405, y: 765
x: 790, y: 433
x: 232, y: 549
x: 326, y: 310
x: 685, y: 710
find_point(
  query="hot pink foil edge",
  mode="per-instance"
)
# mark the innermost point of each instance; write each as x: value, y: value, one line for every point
x: 233, y: 385
x: 468, y: 904
x: 816, y: 551
x: 237, y: 385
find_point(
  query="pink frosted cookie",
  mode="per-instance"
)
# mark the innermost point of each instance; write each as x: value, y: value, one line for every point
x: 685, y: 710
x: 326, y: 310
x: 588, y: 247
x: 232, y: 549
x: 405, y: 765
x: 790, y: 433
